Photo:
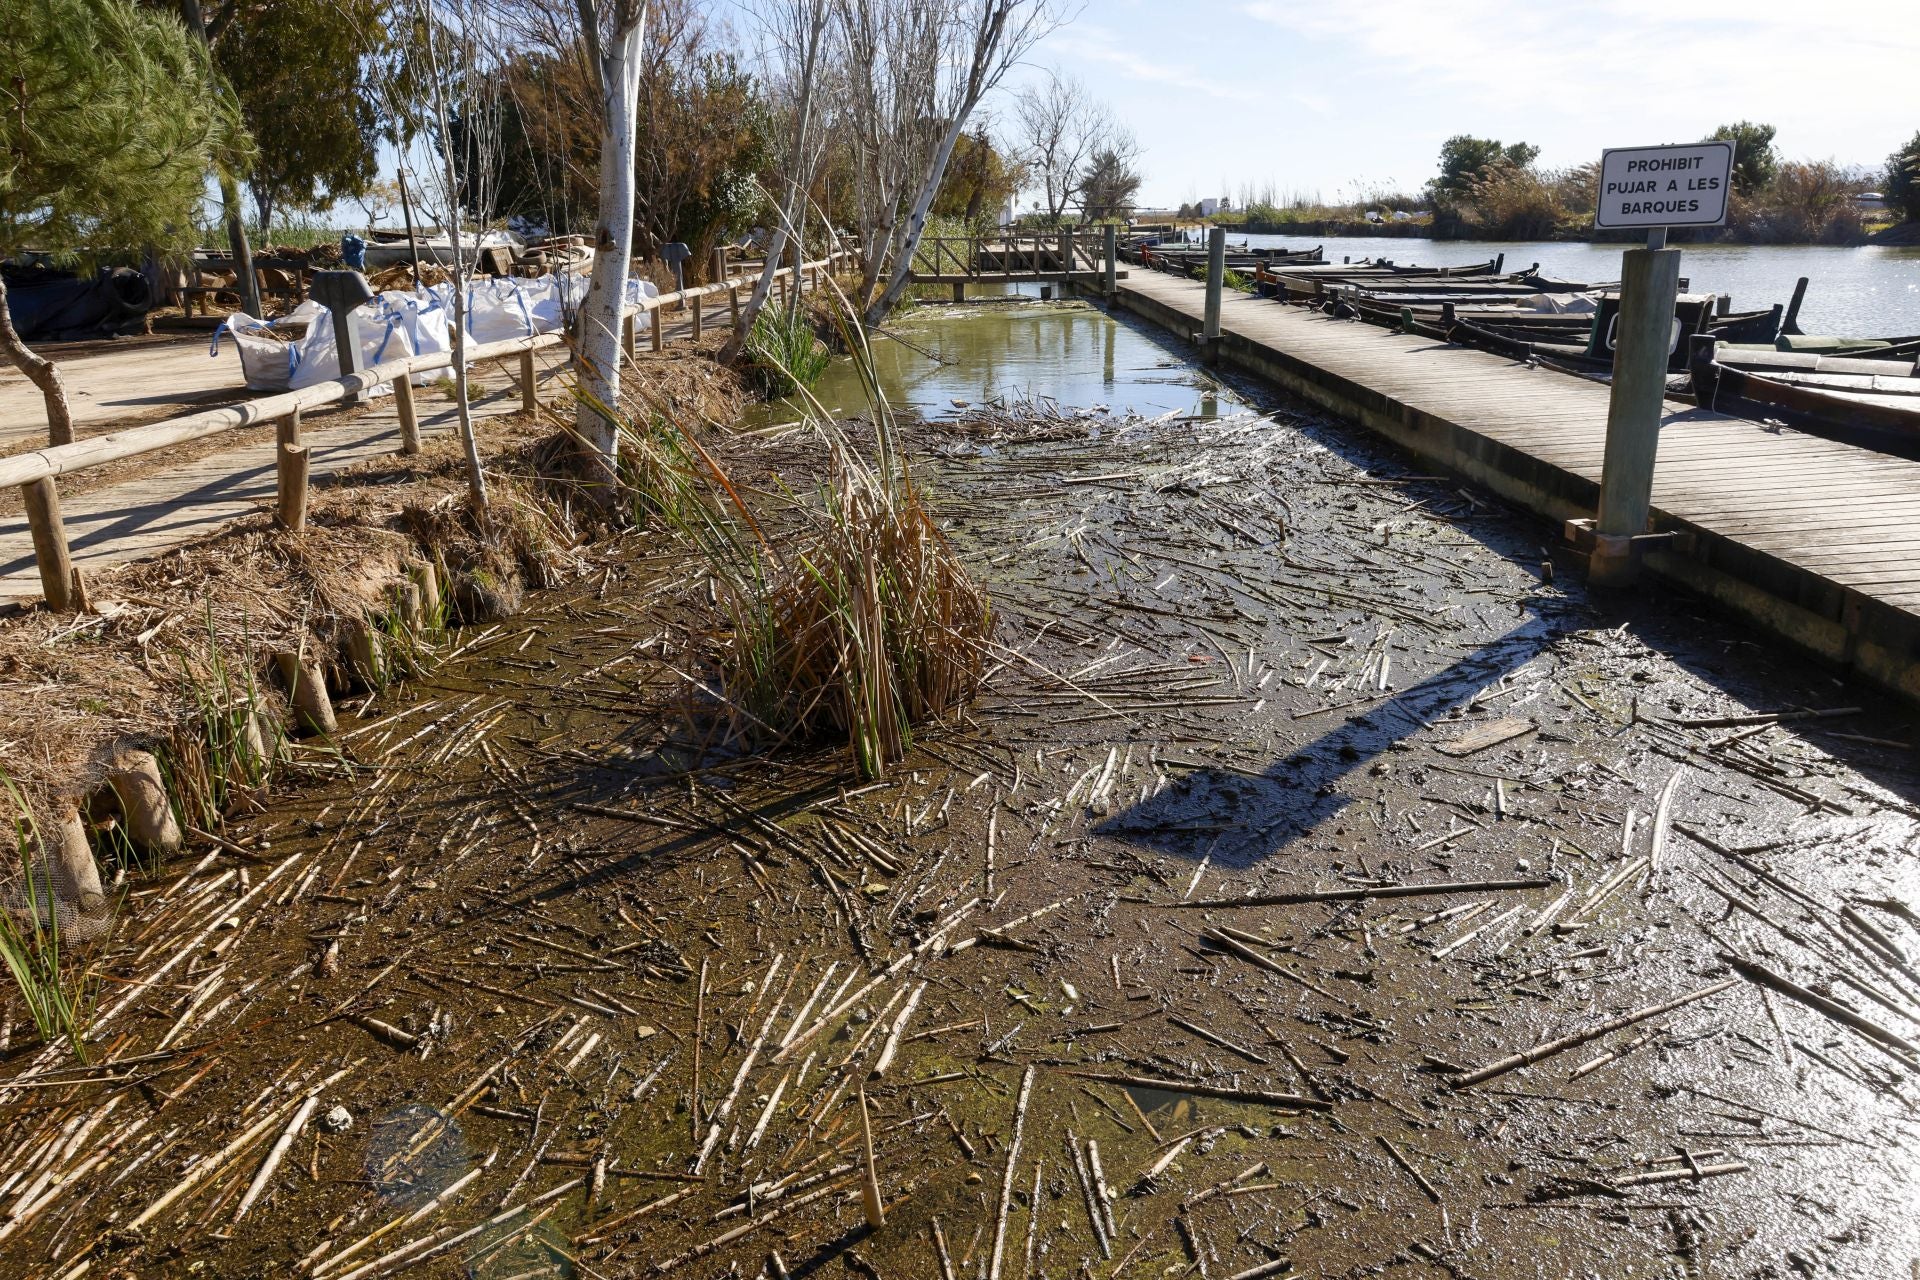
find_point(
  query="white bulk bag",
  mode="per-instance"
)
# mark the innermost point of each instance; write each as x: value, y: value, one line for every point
x: 426, y: 318
x: 381, y: 339
x: 497, y: 311
x: 266, y: 361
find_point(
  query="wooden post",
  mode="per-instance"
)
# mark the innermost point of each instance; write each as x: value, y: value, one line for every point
x: 733, y: 305
x: 959, y: 291
x: 719, y: 268
x: 409, y: 419
x: 49, y: 543
x: 1216, y: 276
x: 1066, y: 263
x: 696, y: 317
x: 659, y: 331
x: 1649, y: 279
x: 529, y: 384
x: 1110, y: 251
x: 628, y: 337
x: 287, y: 429
x: 291, y: 476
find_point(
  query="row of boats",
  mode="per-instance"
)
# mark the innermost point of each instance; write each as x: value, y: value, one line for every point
x: 1752, y: 364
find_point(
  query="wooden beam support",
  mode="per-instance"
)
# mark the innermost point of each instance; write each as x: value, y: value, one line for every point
x: 290, y: 474
x: 529, y: 384
x: 409, y: 417
x: 629, y: 326
x: 696, y: 317
x: 49, y: 543
x: 659, y: 330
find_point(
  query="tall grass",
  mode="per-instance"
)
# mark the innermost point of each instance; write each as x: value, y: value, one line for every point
x: 1807, y: 202
x: 861, y: 622
x: 785, y: 354
x: 233, y: 747
x: 59, y: 1000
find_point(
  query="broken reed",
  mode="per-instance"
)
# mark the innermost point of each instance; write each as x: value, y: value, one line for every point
x: 862, y: 623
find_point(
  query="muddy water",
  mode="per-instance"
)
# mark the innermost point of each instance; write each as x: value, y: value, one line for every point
x: 544, y: 933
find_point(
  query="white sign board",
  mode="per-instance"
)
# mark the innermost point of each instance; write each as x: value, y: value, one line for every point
x: 1683, y: 186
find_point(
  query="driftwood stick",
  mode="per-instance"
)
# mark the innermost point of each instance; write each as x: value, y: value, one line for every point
x: 1200, y: 1089
x: 1526, y: 1057
x: 1006, y: 1181
x: 1814, y: 1000
x: 1363, y: 892
x: 870, y: 1183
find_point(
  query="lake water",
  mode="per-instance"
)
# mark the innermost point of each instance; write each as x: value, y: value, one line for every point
x: 1872, y: 290
x: 980, y: 351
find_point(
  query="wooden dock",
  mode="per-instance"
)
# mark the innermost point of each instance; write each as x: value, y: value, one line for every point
x: 1816, y: 541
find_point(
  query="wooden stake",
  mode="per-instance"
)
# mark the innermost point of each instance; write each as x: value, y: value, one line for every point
x: 49, y: 543
x: 659, y: 331
x: 291, y: 473
x: 409, y: 420
x: 529, y: 384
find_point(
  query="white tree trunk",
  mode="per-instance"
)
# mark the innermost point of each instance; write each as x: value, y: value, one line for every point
x: 601, y: 313
x: 917, y: 222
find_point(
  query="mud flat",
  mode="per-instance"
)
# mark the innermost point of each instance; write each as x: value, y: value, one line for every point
x: 1321, y: 886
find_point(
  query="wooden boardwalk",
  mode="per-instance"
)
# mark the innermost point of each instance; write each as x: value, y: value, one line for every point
x: 1816, y: 540
x: 182, y: 503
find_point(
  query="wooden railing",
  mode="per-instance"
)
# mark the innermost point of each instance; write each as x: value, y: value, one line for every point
x: 34, y: 473
x: 1010, y: 255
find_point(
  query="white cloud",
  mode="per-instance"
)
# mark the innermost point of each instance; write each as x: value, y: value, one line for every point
x: 1092, y: 43
x: 1833, y: 87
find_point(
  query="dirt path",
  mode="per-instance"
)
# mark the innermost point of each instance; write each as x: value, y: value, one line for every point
x: 120, y: 384
x: 588, y: 1004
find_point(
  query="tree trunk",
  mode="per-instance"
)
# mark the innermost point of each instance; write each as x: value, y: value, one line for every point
x: 248, y: 285
x: 601, y: 315
x: 793, y: 215
x: 41, y: 371
x: 889, y: 298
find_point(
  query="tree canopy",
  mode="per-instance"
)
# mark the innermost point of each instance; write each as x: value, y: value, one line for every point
x: 1754, y: 159
x: 107, y: 130
x: 300, y: 70
x: 1464, y: 160
x: 980, y: 179
x: 1903, y: 179
x: 1108, y: 186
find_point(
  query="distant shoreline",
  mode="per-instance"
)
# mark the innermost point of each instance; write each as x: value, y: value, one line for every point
x: 1904, y: 233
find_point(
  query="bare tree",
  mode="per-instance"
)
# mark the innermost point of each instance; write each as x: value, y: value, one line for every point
x: 1058, y: 127
x: 613, y: 32
x: 453, y: 71
x: 795, y: 30
x: 978, y: 41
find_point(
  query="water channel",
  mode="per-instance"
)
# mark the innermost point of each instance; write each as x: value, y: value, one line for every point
x: 1869, y: 290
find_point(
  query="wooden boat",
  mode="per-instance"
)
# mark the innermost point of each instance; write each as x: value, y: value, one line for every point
x: 1828, y: 396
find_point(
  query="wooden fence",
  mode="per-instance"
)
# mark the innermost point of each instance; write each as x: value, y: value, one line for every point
x: 35, y: 473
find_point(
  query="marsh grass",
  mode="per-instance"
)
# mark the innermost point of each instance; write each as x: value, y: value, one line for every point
x: 785, y: 353
x: 229, y: 748
x: 59, y: 998
x: 855, y: 619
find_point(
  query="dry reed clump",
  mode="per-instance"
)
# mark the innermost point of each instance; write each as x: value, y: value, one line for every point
x: 854, y: 618
x: 872, y: 624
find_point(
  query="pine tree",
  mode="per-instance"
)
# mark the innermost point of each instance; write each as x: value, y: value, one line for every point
x: 107, y: 133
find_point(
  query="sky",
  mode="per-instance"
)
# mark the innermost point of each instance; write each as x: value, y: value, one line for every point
x: 1349, y: 99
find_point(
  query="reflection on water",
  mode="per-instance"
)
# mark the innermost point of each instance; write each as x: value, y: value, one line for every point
x: 1071, y: 352
x: 1872, y: 290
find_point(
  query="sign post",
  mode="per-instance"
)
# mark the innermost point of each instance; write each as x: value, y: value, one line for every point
x: 1652, y: 188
